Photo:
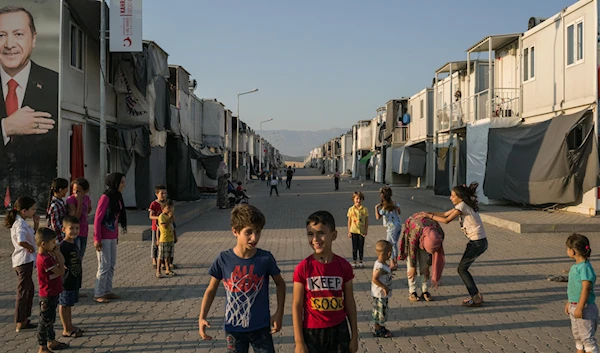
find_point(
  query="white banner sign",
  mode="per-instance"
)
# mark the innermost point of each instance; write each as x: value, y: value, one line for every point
x: 125, y: 25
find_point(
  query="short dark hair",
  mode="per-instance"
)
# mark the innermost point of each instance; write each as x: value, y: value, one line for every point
x: 322, y: 217
x: 44, y: 235
x: 168, y: 203
x: 243, y: 216
x: 15, y: 9
x: 81, y: 182
x: 159, y: 187
x: 70, y: 220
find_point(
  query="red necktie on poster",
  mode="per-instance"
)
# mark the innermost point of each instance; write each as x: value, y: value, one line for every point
x: 12, y: 102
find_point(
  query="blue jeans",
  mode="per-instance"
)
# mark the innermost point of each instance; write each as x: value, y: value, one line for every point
x: 81, y: 243
x: 393, y: 234
x: 474, y: 249
x: 107, y: 259
x: 261, y: 341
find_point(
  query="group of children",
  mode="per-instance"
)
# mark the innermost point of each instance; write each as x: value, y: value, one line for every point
x: 57, y: 251
x: 323, y: 307
x: 323, y: 304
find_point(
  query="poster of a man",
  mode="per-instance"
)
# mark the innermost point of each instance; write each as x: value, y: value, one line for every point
x: 29, y: 104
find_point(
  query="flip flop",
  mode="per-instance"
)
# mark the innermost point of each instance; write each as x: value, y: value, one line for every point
x: 111, y: 296
x: 159, y: 275
x: 413, y: 297
x: 59, y: 346
x: 101, y: 300
x: 472, y: 304
x: 427, y: 297
x: 76, y: 332
x: 170, y: 273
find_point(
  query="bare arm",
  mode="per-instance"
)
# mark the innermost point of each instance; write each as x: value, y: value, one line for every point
x: 586, y: 287
x: 377, y: 282
x: 297, y: 314
x: 377, y: 215
x: 207, y: 300
x: 60, y: 259
x: 352, y: 316
x: 448, y: 216
x: 280, y: 290
x: 27, y: 246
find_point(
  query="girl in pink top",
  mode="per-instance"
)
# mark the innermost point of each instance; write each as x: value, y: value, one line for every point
x: 110, y: 212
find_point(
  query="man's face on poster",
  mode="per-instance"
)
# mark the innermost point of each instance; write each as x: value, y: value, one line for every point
x: 16, y: 41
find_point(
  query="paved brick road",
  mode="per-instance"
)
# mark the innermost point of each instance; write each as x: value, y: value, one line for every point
x: 523, y: 312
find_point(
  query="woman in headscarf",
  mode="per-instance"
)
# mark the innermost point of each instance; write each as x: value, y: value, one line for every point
x: 422, y: 243
x: 222, y: 177
x: 109, y: 213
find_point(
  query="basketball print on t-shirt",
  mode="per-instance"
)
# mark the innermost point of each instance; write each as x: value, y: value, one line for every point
x: 241, y: 288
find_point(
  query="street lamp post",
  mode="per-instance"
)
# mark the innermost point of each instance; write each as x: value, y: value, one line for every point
x: 261, y: 148
x: 237, y: 136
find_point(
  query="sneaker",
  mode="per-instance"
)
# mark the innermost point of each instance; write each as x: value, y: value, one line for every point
x: 361, y: 265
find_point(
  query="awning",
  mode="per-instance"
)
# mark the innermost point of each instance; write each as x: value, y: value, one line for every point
x: 366, y: 158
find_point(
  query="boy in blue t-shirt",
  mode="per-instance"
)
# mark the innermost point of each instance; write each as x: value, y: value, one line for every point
x: 245, y: 272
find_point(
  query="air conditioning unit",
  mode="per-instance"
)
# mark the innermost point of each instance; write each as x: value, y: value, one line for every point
x: 534, y: 21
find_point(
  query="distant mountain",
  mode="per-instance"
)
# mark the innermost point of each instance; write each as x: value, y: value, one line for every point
x: 293, y: 159
x: 299, y: 143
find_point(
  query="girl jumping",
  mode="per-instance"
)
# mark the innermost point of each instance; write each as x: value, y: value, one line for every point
x: 466, y: 208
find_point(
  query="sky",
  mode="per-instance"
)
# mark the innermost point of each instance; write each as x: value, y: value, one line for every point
x: 320, y: 64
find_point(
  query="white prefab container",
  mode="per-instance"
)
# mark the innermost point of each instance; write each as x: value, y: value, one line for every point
x: 364, y: 136
x: 213, y: 124
x: 569, y: 80
x: 420, y: 108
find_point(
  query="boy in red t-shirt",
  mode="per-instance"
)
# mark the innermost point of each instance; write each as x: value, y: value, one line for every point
x: 51, y: 268
x: 155, y: 210
x: 323, y: 294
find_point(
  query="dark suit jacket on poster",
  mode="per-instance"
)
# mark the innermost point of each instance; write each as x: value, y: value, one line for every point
x: 28, y: 163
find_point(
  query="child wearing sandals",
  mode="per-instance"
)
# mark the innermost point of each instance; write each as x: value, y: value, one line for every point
x: 72, y: 278
x: 466, y: 208
x: 581, y: 303
x: 358, y: 226
x: 166, y: 241
x: 381, y: 288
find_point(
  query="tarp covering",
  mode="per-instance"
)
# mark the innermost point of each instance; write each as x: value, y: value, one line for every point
x: 412, y: 161
x: 213, y: 123
x: 132, y: 140
x: 134, y: 154
x: 532, y: 164
x: 367, y: 158
x: 477, y: 147
x: 180, y: 178
x: 140, y: 82
x: 210, y: 161
x: 442, y: 172
x: 461, y: 168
